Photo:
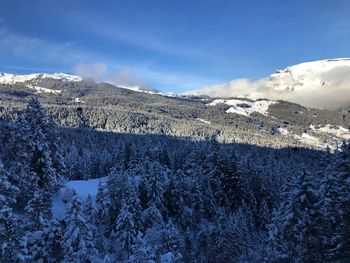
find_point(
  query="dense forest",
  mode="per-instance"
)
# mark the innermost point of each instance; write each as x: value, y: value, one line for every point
x: 163, y: 198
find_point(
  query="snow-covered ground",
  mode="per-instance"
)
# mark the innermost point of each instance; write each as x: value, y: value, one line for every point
x: 83, y: 189
x: 8, y: 78
x: 245, y: 107
x: 204, y: 121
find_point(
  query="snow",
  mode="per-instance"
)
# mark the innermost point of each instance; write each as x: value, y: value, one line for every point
x: 308, y: 139
x: 78, y: 100
x: 140, y: 89
x: 8, y: 78
x: 204, y: 121
x: 245, y: 107
x: 283, y: 131
x: 337, y: 131
x: 45, y: 90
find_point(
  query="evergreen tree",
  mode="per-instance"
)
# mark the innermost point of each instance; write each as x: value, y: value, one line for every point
x: 9, y: 235
x: 77, y: 239
x: 8, y: 191
x: 117, y: 183
x: 172, y: 241
x: 39, y: 210
x: 335, y: 206
x: 102, y: 217
x: 124, y: 233
x: 293, y: 232
x: 141, y: 252
x: 30, y: 158
x: 90, y: 212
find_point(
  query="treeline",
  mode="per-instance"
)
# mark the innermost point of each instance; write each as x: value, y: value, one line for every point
x: 168, y: 198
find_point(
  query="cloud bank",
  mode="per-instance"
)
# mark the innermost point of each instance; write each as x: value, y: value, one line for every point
x: 323, y: 87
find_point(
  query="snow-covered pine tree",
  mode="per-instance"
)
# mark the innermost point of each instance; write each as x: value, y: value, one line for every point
x: 334, y: 204
x: 77, y: 239
x: 116, y: 185
x: 153, y: 187
x: 8, y: 191
x: 264, y: 215
x: 37, y: 121
x: 124, y: 234
x: 9, y: 235
x: 56, y: 149
x: 220, y: 237
x: 134, y: 205
x: 102, y: 204
x: 30, y: 158
x: 178, y: 197
x: 155, y: 178
x: 142, y: 252
x: 90, y: 212
x: 172, y: 241
x: 294, y: 235
x: 39, y: 210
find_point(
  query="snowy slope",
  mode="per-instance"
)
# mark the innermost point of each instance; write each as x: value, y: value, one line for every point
x: 245, y: 107
x: 7, y: 78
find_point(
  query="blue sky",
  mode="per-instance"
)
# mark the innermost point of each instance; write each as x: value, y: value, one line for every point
x: 170, y: 45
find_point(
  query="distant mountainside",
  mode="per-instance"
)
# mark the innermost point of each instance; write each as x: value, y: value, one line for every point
x: 74, y: 102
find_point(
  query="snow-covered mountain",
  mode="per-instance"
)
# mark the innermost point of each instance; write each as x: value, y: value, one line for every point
x: 8, y: 78
x: 310, y: 75
x: 318, y: 84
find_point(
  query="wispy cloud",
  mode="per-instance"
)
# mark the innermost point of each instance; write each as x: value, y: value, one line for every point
x: 142, y: 76
x: 35, y: 50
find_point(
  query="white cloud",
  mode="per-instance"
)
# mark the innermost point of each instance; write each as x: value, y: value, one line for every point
x: 97, y: 71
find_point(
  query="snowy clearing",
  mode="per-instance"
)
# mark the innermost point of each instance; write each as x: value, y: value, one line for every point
x: 83, y: 189
x: 245, y: 107
x: 45, y: 90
